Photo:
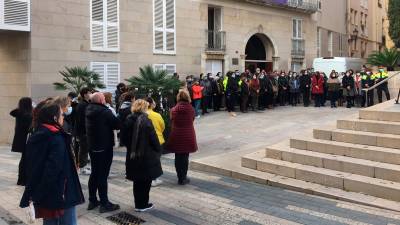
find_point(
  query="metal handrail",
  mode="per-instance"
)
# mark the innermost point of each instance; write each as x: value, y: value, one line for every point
x: 378, y: 84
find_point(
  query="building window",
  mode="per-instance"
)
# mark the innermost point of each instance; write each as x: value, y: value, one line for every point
x: 297, y: 29
x: 109, y: 73
x: 318, y: 42
x: 170, y: 68
x: 164, y: 32
x: 355, y: 18
x: 330, y: 43
x: 341, y: 44
x: 351, y: 16
x: 296, y: 66
x: 104, y: 25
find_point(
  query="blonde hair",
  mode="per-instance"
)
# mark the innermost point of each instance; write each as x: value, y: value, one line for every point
x: 140, y: 106
x: 63, y: 102
x: 183, y: 96
x: 108, y: 97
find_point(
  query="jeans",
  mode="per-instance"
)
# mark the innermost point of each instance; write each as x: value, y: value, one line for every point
x: 197, y: 105
x: 69, y: 218
x: 101, y: 165
x: 141, y: 190
x: 181, y: 165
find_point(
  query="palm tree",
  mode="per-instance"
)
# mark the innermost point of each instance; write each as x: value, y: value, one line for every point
x: 154, y: 82
x: 388, y: 58
x: 76, y: 78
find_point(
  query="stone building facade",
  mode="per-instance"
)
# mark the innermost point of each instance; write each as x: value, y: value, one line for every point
x: 116, y: 37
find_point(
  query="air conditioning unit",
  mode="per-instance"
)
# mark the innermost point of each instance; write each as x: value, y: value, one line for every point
x: 15, y: 15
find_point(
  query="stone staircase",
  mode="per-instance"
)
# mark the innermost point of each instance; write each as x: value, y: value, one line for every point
x: 360, y: 155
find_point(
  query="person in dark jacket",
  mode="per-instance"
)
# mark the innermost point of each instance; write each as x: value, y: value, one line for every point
x: 348, y: 88
x: 23, y: 122
x: 80, y: 131
x: 206, y: 102
x: 232, y: 89
x: 244, y: 93
x: 333, y: 86
x: 262, y: 100
x: 124, y: 111
x: 283, y: 88
x: 100, y: 123
x: 294, y: 85
x: 121, y: 89
x: 143, y: 154
x: 52, y: 179
x: 182, y: 139
x: 305, y: 87
x: 216, y: 93
x: 367, y: 81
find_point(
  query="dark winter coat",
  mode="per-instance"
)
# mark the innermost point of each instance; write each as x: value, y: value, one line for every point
x: 206, y: 83
x: 244, y: 89
x: 80, y: 117
x: 305, y: 82
x: 100, y: 123
x: 232, y: 86
x: 348, y: 81
x: 283, y: 83
x: 52, y: 179
x: 182, y: 138
x: 23, y: 122
x: 146, y: 166
x: 294, y: 84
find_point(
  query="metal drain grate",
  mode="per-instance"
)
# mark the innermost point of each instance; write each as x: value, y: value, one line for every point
x: 124, y: 218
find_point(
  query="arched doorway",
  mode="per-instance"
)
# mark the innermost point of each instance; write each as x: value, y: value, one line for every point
x: 259, y: 52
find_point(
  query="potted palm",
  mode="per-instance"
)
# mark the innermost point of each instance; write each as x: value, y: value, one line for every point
x: 76, y: 78
x: 388, y: 57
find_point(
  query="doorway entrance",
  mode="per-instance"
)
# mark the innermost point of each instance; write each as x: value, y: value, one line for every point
x: 259, y: 52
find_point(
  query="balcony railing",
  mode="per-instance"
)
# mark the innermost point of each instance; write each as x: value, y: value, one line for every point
x: 215, y: 40
x: 298, y: 48
x: 307, y: 6
x: 15, y: 15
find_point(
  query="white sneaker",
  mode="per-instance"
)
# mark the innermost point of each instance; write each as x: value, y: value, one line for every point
x: 156, y: 182
x: 198, y: 117
x: 148, y: 207
x: 85, y: 171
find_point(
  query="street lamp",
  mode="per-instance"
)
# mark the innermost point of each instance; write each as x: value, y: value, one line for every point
x: 354, y: 36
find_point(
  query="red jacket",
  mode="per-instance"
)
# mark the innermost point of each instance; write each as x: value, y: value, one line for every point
x: 197, y: 92
x: 182, y: 138
x: 317, y: 85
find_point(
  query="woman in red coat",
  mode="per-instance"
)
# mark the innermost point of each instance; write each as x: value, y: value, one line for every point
x: 317, y: 82
x: 182, y: 139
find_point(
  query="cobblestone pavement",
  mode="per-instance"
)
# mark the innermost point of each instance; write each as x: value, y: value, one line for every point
x: 213, y: 199
x: 209, y: 199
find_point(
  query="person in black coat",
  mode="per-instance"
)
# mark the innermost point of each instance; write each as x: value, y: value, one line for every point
x: 305, y: 87
x: 100, y: 126
x: 52, y: 179
x: 80, y: 131
x: 244, y: 93
x: 23, y: 122
x: 143, y: 154
x: 232, y: 89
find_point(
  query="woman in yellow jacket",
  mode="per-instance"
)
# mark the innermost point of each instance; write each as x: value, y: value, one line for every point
x: 159, y: 126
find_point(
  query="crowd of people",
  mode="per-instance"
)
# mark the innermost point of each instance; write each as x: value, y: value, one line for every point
x: 261, y: 90
x: 60, y: 136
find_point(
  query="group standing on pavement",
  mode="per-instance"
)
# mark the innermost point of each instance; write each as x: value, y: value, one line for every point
x: 59, y: 137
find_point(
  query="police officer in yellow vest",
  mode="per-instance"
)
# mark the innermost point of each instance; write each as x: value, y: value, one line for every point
x: 367, y: 81
x: 380, y: 76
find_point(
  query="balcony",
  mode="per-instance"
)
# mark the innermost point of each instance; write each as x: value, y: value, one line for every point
x: 298, y: 48
x: 215, y: 41
x: 306, y: 6
x: 15, y: 15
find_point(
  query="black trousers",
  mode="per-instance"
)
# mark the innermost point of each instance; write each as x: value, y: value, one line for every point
x: 318, y: 100
x: 282, y: 97
x: 217, y: 99
x: 254, y: 102
x: 333, y: 97
x: 383, y: 88
x: 370, y: 98
x: 83, y: 156
x: 230, y: 102
x: 294, y: 98
x: 306, y: 96
x: 262, y: 100
x: 243, y: 103
x: 21, y: 170
x: 181, y: 165
x: 101, y: 165
x: 141, y: 190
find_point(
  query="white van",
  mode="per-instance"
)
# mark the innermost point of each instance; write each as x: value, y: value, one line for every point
x: 339, y: 64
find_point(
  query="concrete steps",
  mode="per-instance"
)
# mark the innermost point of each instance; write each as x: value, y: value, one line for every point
x: 358, y: 137
x: 373, y: 153
x: 330, y: 178
x: 339, y: 163
x: 359, y: 155
x: 382, y: 127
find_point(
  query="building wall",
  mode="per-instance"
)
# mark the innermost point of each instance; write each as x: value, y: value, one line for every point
x: 14, y: 65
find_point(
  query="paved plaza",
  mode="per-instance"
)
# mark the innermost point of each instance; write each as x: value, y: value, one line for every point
x: 214, y: 199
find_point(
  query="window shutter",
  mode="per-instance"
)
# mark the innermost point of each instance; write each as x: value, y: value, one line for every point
x: 16, y: 13
x: 170, y: 68
x: 170, y: 25
x: 113, y: 76
x: 112, y: 25
x: 299, y: 28
x: 158, y: 25
x: 97, y: 24
x: 99, y: 68
x: 158, y: 67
